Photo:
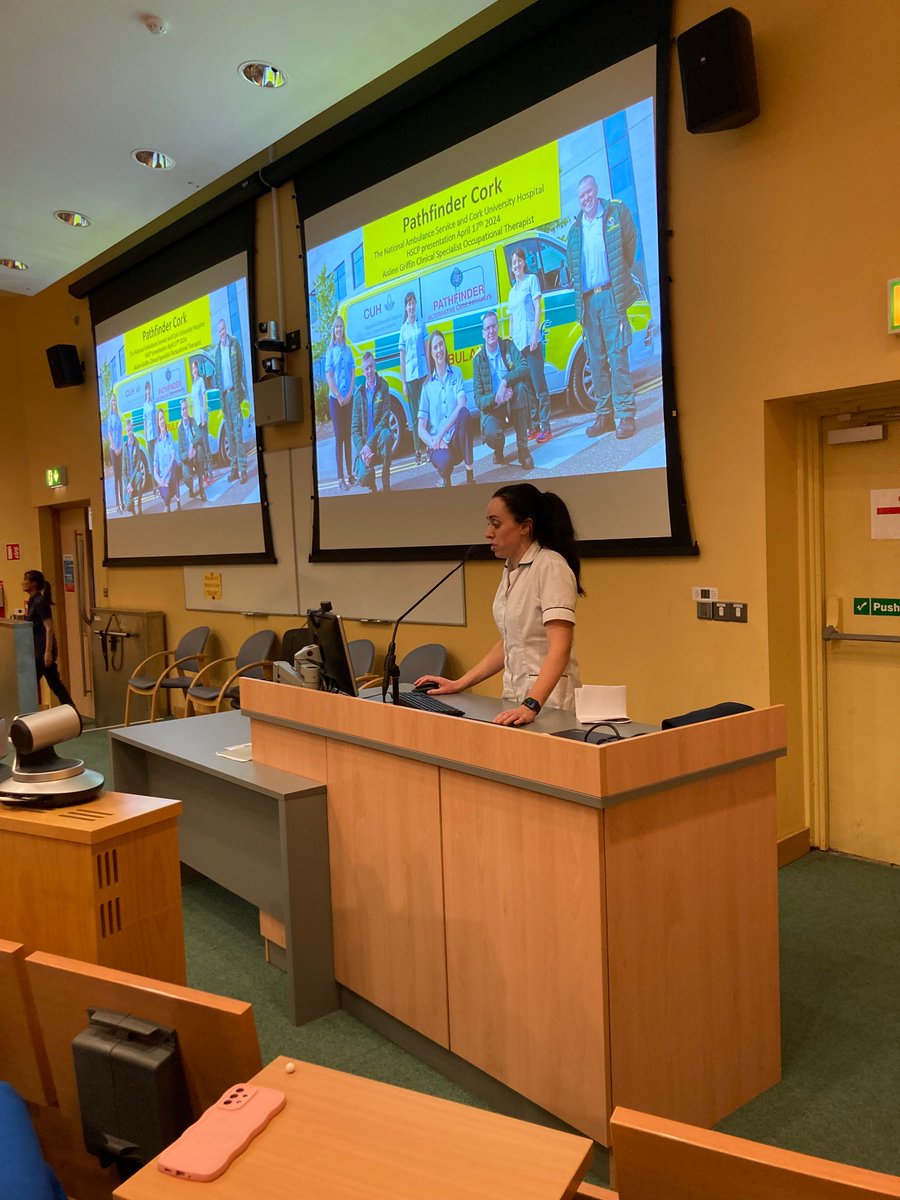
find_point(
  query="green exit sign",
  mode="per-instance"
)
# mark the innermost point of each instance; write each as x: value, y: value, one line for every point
x: 894, y: 306
x: 56, y: 477
x: 875, y: 606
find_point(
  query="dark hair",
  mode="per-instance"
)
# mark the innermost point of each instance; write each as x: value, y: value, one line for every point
x: 550, y: 521
x: 43, y: 585
x: 429, y: 342
x: 409, y: 296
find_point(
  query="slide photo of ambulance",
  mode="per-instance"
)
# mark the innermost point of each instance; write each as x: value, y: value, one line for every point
x: 168, y: 387
x: 453, y: 249
x: 453, y: 296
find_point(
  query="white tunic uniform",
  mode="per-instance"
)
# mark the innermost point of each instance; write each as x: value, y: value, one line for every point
x: 541, y: 588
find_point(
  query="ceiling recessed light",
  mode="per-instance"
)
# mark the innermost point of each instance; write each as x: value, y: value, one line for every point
x: 13, y: 264
x: 263, y: 75
x: 69, y: 217
x: 154, y: 159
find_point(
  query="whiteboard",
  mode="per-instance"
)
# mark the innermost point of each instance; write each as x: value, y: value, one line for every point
x: 266, y: 588
x: 369, y: 591
x: 358, y: 591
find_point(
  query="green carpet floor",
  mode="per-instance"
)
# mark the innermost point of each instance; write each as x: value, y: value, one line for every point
x: 840, y: 976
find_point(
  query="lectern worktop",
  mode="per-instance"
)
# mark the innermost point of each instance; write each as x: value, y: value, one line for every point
x: 589, y: 925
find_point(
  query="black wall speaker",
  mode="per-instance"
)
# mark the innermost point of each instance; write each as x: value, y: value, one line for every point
x: 718, y: 73
x: 65, y: 366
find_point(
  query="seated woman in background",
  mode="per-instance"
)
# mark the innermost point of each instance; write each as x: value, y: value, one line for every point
x: 166, y: 470
x: 444, y: 417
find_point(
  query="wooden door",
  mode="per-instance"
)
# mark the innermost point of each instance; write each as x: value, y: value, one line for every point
x: 73, y: 594
x: 862, y: 677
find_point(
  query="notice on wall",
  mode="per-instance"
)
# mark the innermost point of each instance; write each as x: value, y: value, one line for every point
x: 885, y: 506
x: 69, y: 572
x: 12, y: 551
x: 212, y: 585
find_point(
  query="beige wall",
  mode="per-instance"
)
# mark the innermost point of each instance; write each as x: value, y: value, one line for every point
x: 783, y: 238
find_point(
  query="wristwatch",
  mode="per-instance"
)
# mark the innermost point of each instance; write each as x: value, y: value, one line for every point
x: 534, y: 705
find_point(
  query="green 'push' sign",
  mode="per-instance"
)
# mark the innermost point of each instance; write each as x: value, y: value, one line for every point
x: 875, y: 606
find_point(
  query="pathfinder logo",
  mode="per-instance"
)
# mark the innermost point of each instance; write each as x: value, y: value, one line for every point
x: 456, y: 277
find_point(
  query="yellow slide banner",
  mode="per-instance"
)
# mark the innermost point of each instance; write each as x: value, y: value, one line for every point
x: 468, y: 216
x: 169, y: 336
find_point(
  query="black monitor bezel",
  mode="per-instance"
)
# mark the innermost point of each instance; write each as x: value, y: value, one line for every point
x: 331, y: 638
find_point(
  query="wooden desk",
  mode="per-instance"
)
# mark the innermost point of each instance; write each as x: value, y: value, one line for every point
x: 589, y: 925
x: 260, y: 832
x: 341, y: 1137
x: 98, y: 882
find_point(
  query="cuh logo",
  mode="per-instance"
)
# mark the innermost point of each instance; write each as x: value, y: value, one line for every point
x: 389, y: 304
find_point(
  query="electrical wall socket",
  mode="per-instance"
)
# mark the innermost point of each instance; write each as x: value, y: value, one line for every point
x: 722, y: 610
x: 704, y: 593
x: 730, y: 610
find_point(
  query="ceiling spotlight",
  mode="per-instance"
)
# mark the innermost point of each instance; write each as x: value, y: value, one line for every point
x: 13, y: 264
x: 76, y: 219
x: 263, y: 75
x: 154, y: 159
x: 156, y: 25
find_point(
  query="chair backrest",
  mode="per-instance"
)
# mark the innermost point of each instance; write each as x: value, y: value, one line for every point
x: 191, y: 646
x: 362, y: 655
x: 658, y: 1159
x: 293, y: 640
x: 23, y: 1058
x: 259, y: 647
x: 430, y: 659
x: 217, y: 1036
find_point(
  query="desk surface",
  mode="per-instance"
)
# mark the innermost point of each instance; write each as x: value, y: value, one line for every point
x: 111, y: 815
x: 196, y: 740
x: 341, y: 1137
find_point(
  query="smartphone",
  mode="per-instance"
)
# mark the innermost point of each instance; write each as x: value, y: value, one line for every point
x: 207, y: 1147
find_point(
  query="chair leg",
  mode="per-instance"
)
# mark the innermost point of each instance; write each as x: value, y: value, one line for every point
x: 127, y: 707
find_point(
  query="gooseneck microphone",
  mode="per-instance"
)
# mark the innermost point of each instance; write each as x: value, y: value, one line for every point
x: 391, y: 677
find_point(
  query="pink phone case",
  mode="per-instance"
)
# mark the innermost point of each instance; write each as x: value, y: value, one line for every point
x: 205, y: 1149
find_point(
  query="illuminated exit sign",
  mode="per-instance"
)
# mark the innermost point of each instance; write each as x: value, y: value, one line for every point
x: 56, y: 477
x: 894, y: 306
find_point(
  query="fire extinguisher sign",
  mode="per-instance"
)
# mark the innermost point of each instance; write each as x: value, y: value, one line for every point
x: 12, y: 551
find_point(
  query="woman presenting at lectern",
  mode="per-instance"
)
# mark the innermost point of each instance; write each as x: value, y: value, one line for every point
x: 534, y: 607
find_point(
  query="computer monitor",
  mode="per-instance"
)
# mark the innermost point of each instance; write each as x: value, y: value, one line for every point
x: 328, y: 634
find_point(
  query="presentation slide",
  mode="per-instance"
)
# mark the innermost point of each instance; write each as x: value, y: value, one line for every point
x: 181, y: 471
x: 492, y: 315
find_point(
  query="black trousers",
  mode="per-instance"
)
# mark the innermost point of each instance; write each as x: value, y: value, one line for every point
x: 54, y: 683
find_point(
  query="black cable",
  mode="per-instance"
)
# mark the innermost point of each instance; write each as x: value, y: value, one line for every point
x: 597, y: 725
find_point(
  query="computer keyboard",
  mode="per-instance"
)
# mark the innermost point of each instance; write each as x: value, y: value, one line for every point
x: 426, y: 703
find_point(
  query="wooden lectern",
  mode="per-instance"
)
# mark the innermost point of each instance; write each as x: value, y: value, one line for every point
x: 590, y: 925
x: 98, y: 881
